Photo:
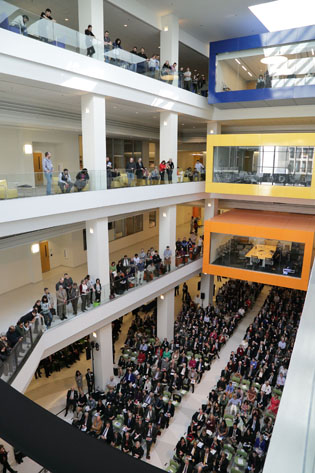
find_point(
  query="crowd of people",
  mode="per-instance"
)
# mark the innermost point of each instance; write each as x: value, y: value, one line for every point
x: 114, y: 53
x: 124, y: 275
x: 235, y: 426
x: 153, y: 375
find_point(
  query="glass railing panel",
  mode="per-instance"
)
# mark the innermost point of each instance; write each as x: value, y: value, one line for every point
x: 34, y: 184
x: 21, y: 21
x: 120, y: 285
x: 13, y: 359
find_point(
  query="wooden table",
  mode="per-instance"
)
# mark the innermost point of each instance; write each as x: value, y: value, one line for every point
x: 262, y: 252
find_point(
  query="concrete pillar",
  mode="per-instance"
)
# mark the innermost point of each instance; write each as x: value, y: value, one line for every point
x: 213, y: 128
x: 91, y: 12
x: 167, y: 230
x: 207, y: 280
x: 169, y: 140
x: 166, y: 315
x: 103, y: 357
x: 169, y: 41
x: 94, y: 139
x: 98, y: 252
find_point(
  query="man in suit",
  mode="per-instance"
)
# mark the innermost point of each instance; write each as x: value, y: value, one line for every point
x: 206, y: 458
x: 234, y: 434
x: 169, y: 411
x: 150, y: 437
x: 90, y: 380
x: 108, y: 433
x: 72, y: 399
x: 139, y: 431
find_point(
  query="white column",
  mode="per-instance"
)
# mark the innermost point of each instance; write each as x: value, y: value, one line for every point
x: 103, y: 357
x: 167, y: 230
x: 94, y: 139
x: 98, y: 252
x: 169, y: 139
x: 169, y: 39
x: 213, y: 128
x: 91, y: 12
x: 207, y: 280
x: 166, y: 315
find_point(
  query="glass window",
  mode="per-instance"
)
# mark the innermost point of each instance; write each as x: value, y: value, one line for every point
x: 288, y: 65
x: 273, y: 165
x: 119, y: 229
x: 138, y: 224
x: 257, y: 254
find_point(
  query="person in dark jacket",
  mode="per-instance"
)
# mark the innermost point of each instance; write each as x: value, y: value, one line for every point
x: 4, y: 460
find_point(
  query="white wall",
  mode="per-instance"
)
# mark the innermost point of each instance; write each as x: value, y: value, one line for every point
x: 67, y: 250
x: 13, y: 162
x: 18, y: 266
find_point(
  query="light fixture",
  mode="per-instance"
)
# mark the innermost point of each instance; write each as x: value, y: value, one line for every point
x: 91, y: 230
x: 66, y: 19
x: 87, y: 110
x: 164, y: 214
x: 28, y: 149
x: 249, y: 73
x: 165, y: 28
x: 285, y: 14
x: 35, y: 248
x: 137, y: 113
x: 238, y: 62
x: 182, y: 124
x: 165, y: 123
x: 209, y: 205
x: 125, y: 26
x: 94, y: 334
x: 162, y: 297
x: 243, y: 67
x: 269, y: 60
x: 211, y: 131
x: 159, y: 47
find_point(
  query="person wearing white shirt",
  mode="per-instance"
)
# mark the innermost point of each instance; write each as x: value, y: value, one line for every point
x: 266, y: 388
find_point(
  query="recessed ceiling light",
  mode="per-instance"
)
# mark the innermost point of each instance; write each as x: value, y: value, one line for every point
x: 238, y: 62
x: 274, y: 60
x: 159, y: 47
x: 182, y: 123
x: 66, y: 19
x: 243, y: 67
x: 125, y: 26
x: 137, y: 113
x: 165, y: 28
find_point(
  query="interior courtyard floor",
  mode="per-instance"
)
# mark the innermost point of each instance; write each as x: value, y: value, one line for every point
x: 19, y: 301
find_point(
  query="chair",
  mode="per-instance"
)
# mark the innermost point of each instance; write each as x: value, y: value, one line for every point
x: 175, y: 464
x: 171, y: 469
x: 228, y: 419
x: 235, y: 470
x: 189, y: 355
x: 176, y: 399
x: 257, y: 386
x: 240, y: 462
x: 6, y: 193
x: 276, y: 391
x: 242, y: 453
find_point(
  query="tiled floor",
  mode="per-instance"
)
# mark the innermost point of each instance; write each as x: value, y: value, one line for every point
x: 19, y: 301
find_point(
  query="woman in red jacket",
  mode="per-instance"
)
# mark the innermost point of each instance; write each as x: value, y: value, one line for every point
x: 162, y: 170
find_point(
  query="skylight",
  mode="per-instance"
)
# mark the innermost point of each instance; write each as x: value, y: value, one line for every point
x: 285, y: 14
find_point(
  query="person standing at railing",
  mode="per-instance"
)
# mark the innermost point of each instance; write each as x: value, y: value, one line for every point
x: 133, y: 66
x: 169, y: 170
x: 167, y: 258
x: 162, y: 171
x: 98, y: 290
x: 187, y: 79
x: 13, y: 336
x: 61, y: 296
x: 142, y: 66
x: 139, y: 171
x: 130, y: 169
x: 74, y: 297
x: 108, y: 45
x: 20, y: 22
x: 90, y: 50
x: 44, y: 27
x: 48, y: 170
x: 4, y: 460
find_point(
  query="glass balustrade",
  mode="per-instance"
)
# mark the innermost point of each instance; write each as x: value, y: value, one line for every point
x: 21, y: 21
x: 34, y: 184
x: 120, y: 285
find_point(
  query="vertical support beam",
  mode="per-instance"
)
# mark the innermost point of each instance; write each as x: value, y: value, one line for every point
x: 213, y: 128
x: 169, y: 140
x: 98, y: 252
x: 165, y: 315
x: 169, y: 39
x: 103, y: 357
x: 207, y: 280
x: 94, y: 139
x: 167, y: 230
x: 91, y: 12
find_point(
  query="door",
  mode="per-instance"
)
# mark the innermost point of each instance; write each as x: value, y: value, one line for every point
x: 38, y: 168
x: 44, y: 256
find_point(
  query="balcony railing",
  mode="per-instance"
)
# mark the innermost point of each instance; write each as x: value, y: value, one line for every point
x: 21, y: 21
x: 119, y: 286
x: 39, y: 183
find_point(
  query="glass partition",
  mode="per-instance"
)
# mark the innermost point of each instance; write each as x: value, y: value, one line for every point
x: 36, y: 184
x: 257, y: 254
x: 286, y: 65
x: 273, y: 165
